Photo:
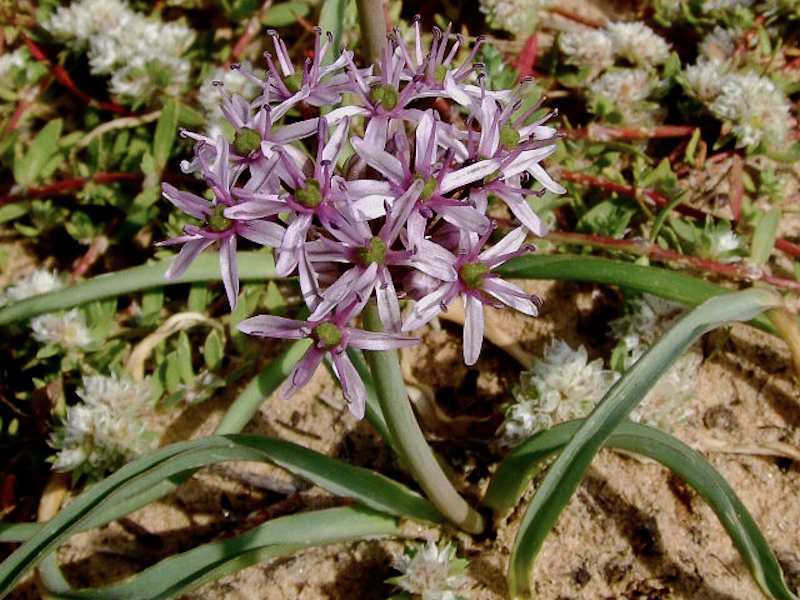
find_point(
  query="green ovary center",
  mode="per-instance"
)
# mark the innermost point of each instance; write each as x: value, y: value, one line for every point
x: 472, y: 275
x: 373, y: 252
x: 219, y: 222
x: 386, y: 94
x: 311, y: 196
x: 294, y: 82
x: 509, y: 136
x: 246, y: 141
x: 428, y: 189
x: 327, y: 336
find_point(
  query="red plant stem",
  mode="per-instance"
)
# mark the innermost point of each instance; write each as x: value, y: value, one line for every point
x: 604, y: 132
x: 63, y: 77
x: 660, y: 200
x: 736, y: 183
x: 527, y: 58
x: 26, y: 103
x: 628, y: 190
x: 576, y: 17
x: 644, y: 247
x: 69, y: 184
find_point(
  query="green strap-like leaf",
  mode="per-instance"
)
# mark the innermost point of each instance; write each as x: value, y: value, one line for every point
x: 569, y: 468
x: 658, y: 281
x: 253, y: 266
x: 210, y: 562
x: 521, y: 465
x: 95, y: 505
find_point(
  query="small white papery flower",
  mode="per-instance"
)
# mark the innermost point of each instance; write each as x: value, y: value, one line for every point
x: 628, y: 90
x: 41, y: 281
x: 724, y: 6
x: 141, y: 55
x: 561, y: 386
x: 587, y: 47
x: 107, y: 429
x: 649, y: 317
x: 720, y: 44
x: 516, y: 16
x: 68, y: 330
x: 757, y: 109
x: 638, y: 44
x: 80, y: 21
x: 433, y: 572
x: 704, y: 79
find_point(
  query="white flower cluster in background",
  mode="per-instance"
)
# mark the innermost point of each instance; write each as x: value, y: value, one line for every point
x: 561, y: 386
x: 41, y: 281
x: 234, y: 82
x: 431, y: 571
x: 752, y: 106
x: 622, y: 62
x: 756, y: 108
x: 67, y: 330
x: 516, y: 16
x: 564, y: 385
x: 107, y: 429
x: 667, y: 402
x: 141, y: 55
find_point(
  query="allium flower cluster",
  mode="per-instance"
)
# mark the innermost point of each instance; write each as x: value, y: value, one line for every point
x: 141, y: 55
x: 431, y: 571
x: 404, y: 216
x: 107, y: 429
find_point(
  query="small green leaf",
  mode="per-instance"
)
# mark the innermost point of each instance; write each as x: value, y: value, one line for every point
x: 283, y: 14
x: 213, y: 351
x: 9, y: 212
x: 42, y: 158
x: 184, y: 354
x: 199, y: 297
x: 764, y: 236
x: 166, y: 130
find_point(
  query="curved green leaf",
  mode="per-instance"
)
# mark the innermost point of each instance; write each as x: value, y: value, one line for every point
x: 515, y: 473
x: 568, y: 469
x: 212, y: 561
x: 95, y: 505
x: 660, y: 282
x: 253, y: 266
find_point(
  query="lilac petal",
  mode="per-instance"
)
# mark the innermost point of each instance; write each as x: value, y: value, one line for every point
x: 192, y: 205
x: 388, y: 304
x: 425, y: 138
x: 265, y: 233
x: 465, y: 217
x: 257, y: 208
x: 433, y: 260
x: 426, y: 309
x: 304, y: 371
x: 191, y: 249
x: 336, y: 143
x: 511, y: 295
x: 275, y: 327
x: 544, y: 178
x: 230, y: 270
x: 510, y: 243
x: 383, y: 162
x: 296, y: 131
x: 355, y: 282
x: 522, y: 210
x: 454, y: 91
x: 473, y: 329
x: 467, y: 175
x: 371, y: 340
x: 352, y: 386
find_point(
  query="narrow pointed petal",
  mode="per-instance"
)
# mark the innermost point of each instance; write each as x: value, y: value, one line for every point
x: 473, y: 329
x: 229, y: 269
x: 191, y: 249
x: 274, y: 327
x: 511, y: 295
x: 352, y: 386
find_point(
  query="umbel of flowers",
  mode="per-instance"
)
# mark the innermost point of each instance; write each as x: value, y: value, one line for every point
x: 404, y: 216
